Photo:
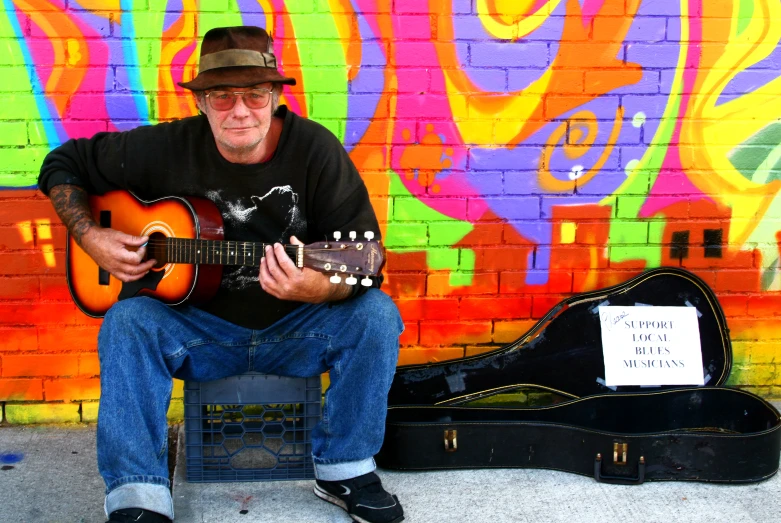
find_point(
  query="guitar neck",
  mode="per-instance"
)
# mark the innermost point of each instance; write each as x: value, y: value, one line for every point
x: 215, y: 252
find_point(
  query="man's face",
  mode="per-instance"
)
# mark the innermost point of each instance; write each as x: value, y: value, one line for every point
x: 238, y: 131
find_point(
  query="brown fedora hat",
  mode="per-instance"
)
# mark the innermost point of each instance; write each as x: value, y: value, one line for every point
x: 236, y: 57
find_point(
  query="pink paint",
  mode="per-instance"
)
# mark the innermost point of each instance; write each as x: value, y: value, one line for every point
x: 590, y: 9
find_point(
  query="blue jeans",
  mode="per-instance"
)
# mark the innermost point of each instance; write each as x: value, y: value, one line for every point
x: 143, y: 344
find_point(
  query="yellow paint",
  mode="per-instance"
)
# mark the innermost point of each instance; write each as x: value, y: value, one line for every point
x: 568, y: 232
x: 26, y: 230
x: 510, y: 19
x: 23, y: 414
x: 268, y: 10
x: 103, y: 8
x: 74, y: 52
x: 44, y: 230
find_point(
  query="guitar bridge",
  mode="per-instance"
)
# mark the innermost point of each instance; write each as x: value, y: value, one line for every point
x: 300, y: 257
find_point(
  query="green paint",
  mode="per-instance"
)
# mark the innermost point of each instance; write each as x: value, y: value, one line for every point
x: 461, y: 279
x: 441, y: 259
x: 769, y: 275
x: 317, y: 38
x: 449, y: 232
x: 18, y: 164
x: 757, y: 157
x: 745, y: 11
x: 13, y: 133
x: 629, y: 232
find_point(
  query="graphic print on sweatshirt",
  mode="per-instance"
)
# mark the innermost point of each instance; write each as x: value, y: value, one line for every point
x: 275, y: 216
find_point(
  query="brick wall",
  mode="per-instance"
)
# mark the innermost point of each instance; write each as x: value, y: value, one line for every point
x: 517, y: 152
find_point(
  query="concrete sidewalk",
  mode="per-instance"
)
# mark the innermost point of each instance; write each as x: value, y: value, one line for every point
x: 49, y: 474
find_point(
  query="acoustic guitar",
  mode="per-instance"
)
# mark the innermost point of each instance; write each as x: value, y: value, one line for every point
x: 186, y: 239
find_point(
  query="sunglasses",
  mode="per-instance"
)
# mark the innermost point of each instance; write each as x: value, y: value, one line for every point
x: 225, y: 100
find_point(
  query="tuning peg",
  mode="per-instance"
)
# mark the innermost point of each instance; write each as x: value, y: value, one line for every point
x: 335, y: 278
x: 366, y: 281
x: 368, y: 235
x: 337, y: 236
x: 353, y: 235
x: 351, y: 280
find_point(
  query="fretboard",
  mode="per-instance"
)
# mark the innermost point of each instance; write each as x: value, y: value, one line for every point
x: 213, y: 252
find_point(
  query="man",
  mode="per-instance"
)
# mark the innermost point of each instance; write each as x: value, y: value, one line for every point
x: 275, y: 177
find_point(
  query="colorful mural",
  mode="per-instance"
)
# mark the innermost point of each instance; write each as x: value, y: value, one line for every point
x: 517, y: 152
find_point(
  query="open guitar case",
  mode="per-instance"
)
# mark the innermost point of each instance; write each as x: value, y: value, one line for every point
x: 624, y: 434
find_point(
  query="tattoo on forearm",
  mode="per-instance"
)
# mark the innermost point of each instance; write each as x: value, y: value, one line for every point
x: 72, y: 206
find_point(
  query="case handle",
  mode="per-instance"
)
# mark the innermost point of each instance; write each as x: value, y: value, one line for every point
x: 619, y: 480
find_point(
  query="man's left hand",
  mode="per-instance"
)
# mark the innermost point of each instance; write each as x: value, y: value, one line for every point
x: 280, y: 277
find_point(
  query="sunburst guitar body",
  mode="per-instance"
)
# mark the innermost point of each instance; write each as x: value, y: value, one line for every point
x: 186, y: 239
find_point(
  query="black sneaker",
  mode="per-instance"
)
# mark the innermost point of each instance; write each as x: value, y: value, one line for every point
x: 363, y: 498
x: 136, y: 515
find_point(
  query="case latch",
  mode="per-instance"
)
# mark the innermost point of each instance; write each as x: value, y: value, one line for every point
x: 619, y: 453
x: 451, y: 443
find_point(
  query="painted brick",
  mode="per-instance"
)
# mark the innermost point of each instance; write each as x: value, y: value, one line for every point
x: 18, y: 339
x: 89, y: 364
x: 399, y: 284
x: 15, y: 211
x: 400, y: 260
x: 54, y: 288
x: 737, y: 281
x: 411, y: 334
x: 420, y: 355
x: 19, y: 288
x: 509, y: 331
x: 30, y: 263
x: 72, y: 389
x: 44, y: 313
x: 42, y: 413
x: 69, y: 338
x: 428, y: 309
x: 451, y: 333
x: 530, y: 54
x: 475, y: 308
x: 89, y: 411
x: 558, y: 281
x: 406, y: 235
x: 501, y: 258
x: 411, y: 27
x: 541, y: 305
x: 763, y: 306
x: 40, y: 365
x: 734, y: 305
x: 476, y: 350
x: 481, y: 283
x: 20, y: 390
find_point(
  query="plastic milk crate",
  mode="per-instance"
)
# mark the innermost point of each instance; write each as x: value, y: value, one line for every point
x: 251, y: 427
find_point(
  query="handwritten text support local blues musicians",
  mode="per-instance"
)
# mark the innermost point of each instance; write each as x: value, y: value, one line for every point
x: 651, y: 345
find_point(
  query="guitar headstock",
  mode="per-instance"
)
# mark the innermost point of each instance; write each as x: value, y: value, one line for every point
x: 346, y: 258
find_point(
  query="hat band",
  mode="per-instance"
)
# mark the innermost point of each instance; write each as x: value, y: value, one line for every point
x: 236, y: 58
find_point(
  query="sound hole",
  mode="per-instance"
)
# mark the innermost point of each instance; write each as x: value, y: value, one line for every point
x: 157, y: 249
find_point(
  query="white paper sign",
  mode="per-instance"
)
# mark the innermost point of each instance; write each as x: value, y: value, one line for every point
x: 651, y: 346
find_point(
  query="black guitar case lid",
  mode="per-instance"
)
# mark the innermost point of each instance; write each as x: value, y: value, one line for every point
x: 624, y: 434
x: 562, y: 353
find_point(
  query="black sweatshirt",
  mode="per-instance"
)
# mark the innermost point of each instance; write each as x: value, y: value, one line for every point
x: 310, y: 188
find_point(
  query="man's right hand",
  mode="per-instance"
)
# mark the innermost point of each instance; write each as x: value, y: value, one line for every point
x: 120, y: 254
